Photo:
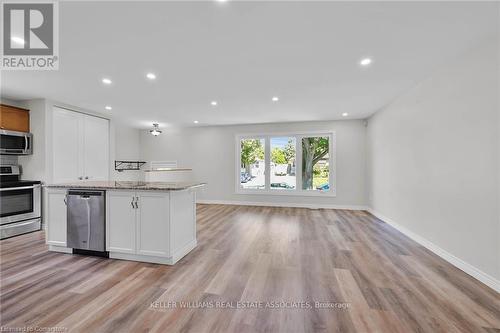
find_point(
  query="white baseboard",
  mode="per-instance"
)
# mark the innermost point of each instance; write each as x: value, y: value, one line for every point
x: 171, y: 260
x: 281, y: 204
x: 457, y: 262
x: 62, y: 249
x: 180, y: 253
x: 141, y: 258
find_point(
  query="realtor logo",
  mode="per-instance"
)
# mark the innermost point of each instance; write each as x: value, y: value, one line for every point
x: 30, y: 36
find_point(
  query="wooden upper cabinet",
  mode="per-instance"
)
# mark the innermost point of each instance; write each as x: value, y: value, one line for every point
x: 14, y: 119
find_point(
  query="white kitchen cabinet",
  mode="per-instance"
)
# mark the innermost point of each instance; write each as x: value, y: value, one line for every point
x: 67, y: 142
x: 120, y: 221
x: 55, y: 212
x: 80, y: 146
x: 152, y: 223
x: 96, y: 148
x: 147, y: 225
x: 138, y: 222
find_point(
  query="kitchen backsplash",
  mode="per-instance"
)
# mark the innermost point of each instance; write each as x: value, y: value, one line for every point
x: 8, y: 159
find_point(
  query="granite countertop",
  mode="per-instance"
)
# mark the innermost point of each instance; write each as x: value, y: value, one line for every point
x: 129, y: 185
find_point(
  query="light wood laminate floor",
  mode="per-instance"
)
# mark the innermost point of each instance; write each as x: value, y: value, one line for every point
x: 370, y: 277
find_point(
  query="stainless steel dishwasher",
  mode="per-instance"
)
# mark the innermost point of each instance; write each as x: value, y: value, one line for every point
x: 86, y: 220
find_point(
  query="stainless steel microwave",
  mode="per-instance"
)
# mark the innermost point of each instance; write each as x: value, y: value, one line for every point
x: 15, y: 143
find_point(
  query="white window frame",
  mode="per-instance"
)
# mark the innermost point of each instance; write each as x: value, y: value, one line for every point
x: 298, y: 191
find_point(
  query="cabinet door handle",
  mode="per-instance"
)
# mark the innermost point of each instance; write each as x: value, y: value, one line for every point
x: 132, y: 202
x: 80, y: 178
x: 86, y: 177
x: 136, y: 202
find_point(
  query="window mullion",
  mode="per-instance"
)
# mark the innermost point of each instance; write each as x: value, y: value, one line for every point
x: 267, y: 160
x: 298, y: 163
x: 238, y: 163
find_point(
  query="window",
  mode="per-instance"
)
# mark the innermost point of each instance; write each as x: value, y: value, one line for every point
x: 252, y: 164
x: 283, y: 163
x: 315, y: 163
x: 298, y: 164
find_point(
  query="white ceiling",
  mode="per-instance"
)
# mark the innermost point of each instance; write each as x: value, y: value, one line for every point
x: 243, y: 53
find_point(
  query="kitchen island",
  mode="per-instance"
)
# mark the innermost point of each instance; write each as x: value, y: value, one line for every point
x: 144, y: 221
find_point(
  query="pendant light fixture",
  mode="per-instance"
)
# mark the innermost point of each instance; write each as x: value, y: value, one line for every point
x: 156, y: 130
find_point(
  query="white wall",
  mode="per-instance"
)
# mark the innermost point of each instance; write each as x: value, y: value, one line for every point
x: 433, y: 160
x: 12, y: 102
x: 34, y: 166
x: 126, y: 141
x: 210, y: 151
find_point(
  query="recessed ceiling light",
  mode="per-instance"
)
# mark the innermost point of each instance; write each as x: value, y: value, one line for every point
x: 196, y: 121
x: 106, y: 81
x: 365, y: 62
x: 345, y: 114
x: 107, y: 107
x: 275, y: 99
x: 17, y: 40
x: 213, y: 103
x: 221, y: 0
x: 151, y: 76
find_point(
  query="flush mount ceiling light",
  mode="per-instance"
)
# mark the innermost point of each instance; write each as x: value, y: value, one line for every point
x: 345, y: 114
x: 107, y: 107
x: 156, y: 130
x: 365, y: 62
x: 275, y: 99
x: 213, y: 103
x: 106, y: 81
x: 196, y: 121
x: 151, y: 76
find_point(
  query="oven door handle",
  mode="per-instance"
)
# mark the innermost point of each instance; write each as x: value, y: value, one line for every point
x: 19, y: 188
x: 25, y: 142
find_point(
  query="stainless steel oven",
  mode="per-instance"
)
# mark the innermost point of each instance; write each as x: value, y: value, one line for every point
x: 20, y: 203
x: 15, y: 143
